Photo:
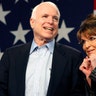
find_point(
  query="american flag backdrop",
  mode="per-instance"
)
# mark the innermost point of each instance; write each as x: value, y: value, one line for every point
x: 15, y: 14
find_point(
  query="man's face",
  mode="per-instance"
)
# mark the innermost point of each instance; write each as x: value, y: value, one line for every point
x: 45, y: 25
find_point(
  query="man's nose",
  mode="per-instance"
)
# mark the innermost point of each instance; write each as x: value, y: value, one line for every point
x: 50, y: 20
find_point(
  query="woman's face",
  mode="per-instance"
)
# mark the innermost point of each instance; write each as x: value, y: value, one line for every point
x: 89, y: 44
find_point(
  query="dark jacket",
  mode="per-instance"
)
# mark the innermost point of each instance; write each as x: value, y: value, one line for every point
x: 65, y: 79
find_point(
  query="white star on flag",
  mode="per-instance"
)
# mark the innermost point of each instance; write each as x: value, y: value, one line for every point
x: 63, y: 32
x: 3, y: 14
x: 1, y: 53
x: 16, y: 1
x: 20, y: 34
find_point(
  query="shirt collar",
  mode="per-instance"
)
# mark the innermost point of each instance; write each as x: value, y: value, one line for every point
x: 50, y: 46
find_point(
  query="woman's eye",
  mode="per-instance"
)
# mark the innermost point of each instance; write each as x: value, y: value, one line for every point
x: 82, y: 42
x: 92, y: 38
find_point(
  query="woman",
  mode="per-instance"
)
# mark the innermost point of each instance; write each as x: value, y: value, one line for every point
x: 87, y: 38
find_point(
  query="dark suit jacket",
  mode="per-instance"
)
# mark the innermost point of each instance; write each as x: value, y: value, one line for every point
x: 64, y: 79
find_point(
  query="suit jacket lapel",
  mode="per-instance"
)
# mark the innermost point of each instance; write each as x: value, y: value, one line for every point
x: 58, y: 64
x: 21, y: 70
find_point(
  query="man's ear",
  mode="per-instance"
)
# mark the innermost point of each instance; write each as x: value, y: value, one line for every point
x: 31, y: 22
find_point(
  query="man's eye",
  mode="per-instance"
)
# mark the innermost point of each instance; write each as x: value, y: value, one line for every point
x: 45, y: 16
x: 56, y: 18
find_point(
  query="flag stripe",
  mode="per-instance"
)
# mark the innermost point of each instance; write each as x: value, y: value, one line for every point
x: 94, y: 10
x: 94, y: 4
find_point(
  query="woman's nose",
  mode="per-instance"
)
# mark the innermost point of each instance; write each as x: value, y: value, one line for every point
x: 87, y: 44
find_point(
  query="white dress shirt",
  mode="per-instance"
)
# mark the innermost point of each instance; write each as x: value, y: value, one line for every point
x: 38, y: 69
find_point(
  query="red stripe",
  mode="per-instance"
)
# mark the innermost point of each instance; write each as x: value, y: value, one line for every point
x: 95, y: 4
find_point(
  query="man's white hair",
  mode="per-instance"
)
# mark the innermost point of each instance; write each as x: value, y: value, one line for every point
x: 33, y: 15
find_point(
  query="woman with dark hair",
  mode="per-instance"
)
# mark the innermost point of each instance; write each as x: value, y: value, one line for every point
x: 87, y: 38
